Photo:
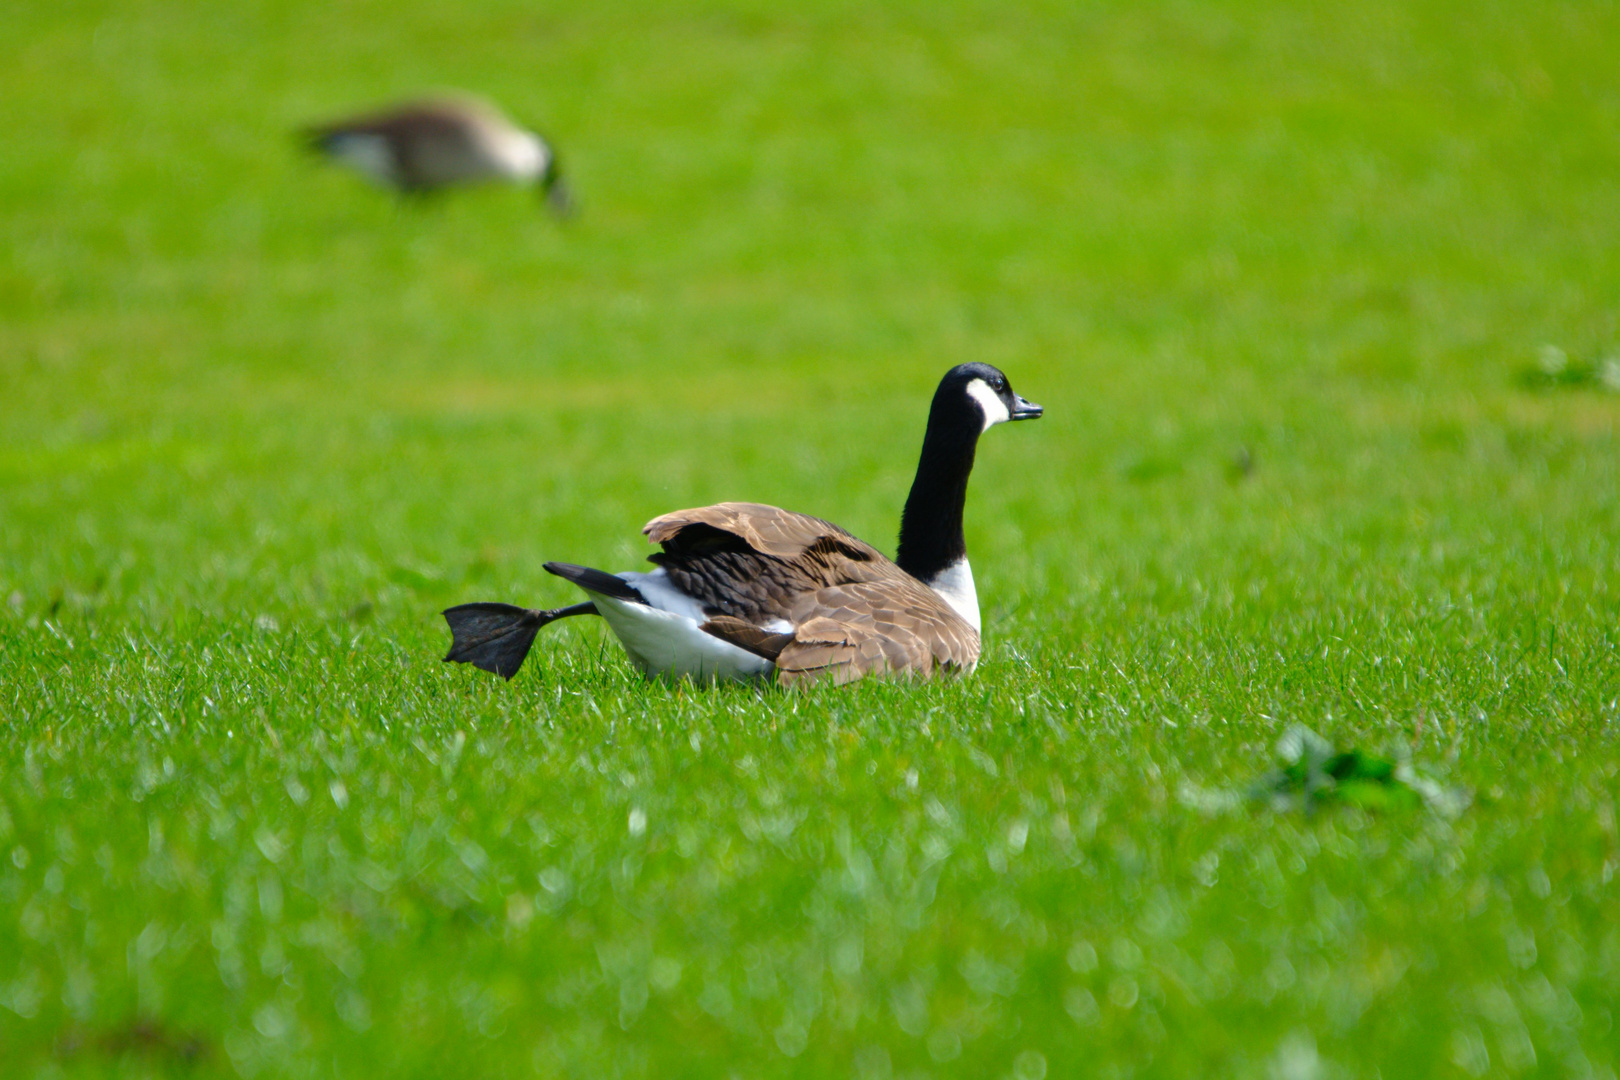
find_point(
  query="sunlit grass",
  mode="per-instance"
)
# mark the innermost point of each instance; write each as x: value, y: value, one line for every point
x: 1278, y: 274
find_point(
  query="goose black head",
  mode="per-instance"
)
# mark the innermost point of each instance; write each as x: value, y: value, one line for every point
x: 971, y: 399
x: 981, y: 393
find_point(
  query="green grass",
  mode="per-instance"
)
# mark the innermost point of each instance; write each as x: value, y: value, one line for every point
x: 258, y: 424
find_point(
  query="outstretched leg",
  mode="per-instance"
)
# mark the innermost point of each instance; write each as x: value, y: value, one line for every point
x: 496, y: 637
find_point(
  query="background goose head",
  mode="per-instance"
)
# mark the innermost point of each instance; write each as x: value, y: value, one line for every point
x: 547, y: 178
x: 554, y: 189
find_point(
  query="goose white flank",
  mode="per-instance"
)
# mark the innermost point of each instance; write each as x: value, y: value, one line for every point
x: 428, y: 145
x: 747, y: 591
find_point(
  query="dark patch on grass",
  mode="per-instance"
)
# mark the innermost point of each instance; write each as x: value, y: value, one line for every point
x: 1314, y: 774
x: 1240, y: 464
x: 147, y: 1038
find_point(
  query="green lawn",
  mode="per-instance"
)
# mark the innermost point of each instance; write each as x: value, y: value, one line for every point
x: 1279, y: 273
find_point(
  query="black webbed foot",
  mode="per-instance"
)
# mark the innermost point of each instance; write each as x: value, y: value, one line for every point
x: 497, y: 637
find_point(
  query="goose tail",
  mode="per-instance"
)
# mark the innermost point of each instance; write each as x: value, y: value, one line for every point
x: 320, y: 139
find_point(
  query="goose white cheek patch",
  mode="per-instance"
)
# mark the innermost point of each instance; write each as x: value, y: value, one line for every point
x: 990, y: 403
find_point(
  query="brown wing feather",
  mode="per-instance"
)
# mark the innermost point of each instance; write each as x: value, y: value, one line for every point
x: 432, y: 143
x: 873, y: 628
x: 745, y: 635
x: 769, y: 530
x: 406, y: 124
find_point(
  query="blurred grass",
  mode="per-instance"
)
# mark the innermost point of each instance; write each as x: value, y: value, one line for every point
x: 1276, y: 271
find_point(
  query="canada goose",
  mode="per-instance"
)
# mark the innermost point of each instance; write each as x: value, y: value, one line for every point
x: 442, y: 142
x: 744, y: 590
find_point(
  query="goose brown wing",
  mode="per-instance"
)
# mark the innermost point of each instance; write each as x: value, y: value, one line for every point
x: 756, y: 563
x: 417, y: 120
x: 853, y: 611
x: 890, y: 626
x: 768, y: 530
x: 432, y: 143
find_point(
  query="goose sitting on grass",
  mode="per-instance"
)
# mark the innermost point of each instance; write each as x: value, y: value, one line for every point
x: 748, y: 591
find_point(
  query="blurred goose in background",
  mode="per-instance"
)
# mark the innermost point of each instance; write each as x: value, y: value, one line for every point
x: 443, y: 142
x: 748, y: 591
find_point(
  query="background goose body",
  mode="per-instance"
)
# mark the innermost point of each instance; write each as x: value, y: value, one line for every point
x: 744, y: 590
x: 443, y: 142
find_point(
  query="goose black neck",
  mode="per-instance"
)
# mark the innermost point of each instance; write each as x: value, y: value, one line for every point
x: 931, y: 538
